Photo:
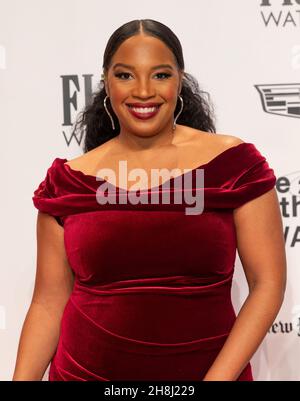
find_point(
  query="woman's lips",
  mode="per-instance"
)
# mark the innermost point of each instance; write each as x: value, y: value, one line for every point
x: 143, y: 113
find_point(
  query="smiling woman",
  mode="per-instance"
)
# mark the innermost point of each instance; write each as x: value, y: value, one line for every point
x: 143, y: 65
x: 142, y: 291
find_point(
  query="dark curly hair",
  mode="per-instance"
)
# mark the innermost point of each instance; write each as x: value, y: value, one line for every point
x: 197, y: 111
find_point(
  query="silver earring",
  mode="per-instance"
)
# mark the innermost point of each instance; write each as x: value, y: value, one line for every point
x: 174, y: 124
x: 111, y: 119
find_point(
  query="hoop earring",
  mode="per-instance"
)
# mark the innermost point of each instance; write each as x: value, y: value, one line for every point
x: 110, y: 116
x: 181, y: 108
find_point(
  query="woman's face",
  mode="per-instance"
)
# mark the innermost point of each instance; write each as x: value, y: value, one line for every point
x: 140, y: 82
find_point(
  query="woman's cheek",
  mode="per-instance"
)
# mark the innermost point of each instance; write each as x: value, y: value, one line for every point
x: 170, y: 95
x: 118, y: 98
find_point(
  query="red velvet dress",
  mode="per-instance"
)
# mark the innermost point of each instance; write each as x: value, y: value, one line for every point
x: 152, y: 292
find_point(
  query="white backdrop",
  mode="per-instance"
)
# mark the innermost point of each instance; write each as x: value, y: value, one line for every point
x: 246, y: 54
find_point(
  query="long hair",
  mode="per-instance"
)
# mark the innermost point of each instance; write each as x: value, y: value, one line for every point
x: 93, y: 120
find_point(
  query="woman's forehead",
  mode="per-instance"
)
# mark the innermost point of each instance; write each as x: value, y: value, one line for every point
x: 143, y: 52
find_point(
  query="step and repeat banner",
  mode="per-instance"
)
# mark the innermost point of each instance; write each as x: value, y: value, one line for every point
x: 246, y: 54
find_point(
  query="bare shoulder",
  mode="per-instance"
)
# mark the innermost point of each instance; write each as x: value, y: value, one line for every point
x: 80, y: 162
x: 228, y: 140
x: 212, y: 141
x: 88, y: 161
x: 189, y: 133
x: 223, y: 141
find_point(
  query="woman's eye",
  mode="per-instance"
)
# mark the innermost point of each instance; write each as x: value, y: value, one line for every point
x: 164, y: 73
x: 121, y: 74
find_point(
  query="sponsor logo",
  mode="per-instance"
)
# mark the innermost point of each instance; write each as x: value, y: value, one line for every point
x: 280, y: 99
x: 280, y: 13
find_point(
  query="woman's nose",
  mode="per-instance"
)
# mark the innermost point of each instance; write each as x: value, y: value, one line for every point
x: 143, y: 88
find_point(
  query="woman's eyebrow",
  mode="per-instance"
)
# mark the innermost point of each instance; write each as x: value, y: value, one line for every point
x: 152, y: 68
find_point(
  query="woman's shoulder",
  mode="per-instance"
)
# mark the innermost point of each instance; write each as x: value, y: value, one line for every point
x: 208, y: 144
x: 88, y: 161
x: 228, y: 140
x: 239, y: 169
x: 216, y: 139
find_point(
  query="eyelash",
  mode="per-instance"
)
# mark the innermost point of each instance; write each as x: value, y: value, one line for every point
x: 127, y: 73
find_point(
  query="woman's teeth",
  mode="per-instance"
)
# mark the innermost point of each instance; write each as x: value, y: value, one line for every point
x: 144, y: 109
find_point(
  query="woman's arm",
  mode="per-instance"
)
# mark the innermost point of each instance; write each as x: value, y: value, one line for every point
x: 53, y: 285
x: 261, y: 248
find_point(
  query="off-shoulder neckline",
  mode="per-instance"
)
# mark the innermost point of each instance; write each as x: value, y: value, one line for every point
x: 94, y: 179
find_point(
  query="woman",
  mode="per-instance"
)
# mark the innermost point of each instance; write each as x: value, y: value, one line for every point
x: 127, y: 290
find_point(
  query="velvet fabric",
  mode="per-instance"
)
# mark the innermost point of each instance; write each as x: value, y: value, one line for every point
x: 152, y: 292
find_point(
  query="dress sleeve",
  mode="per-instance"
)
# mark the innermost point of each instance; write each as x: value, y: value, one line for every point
x: 44, y: 197
x: 255, y: 178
